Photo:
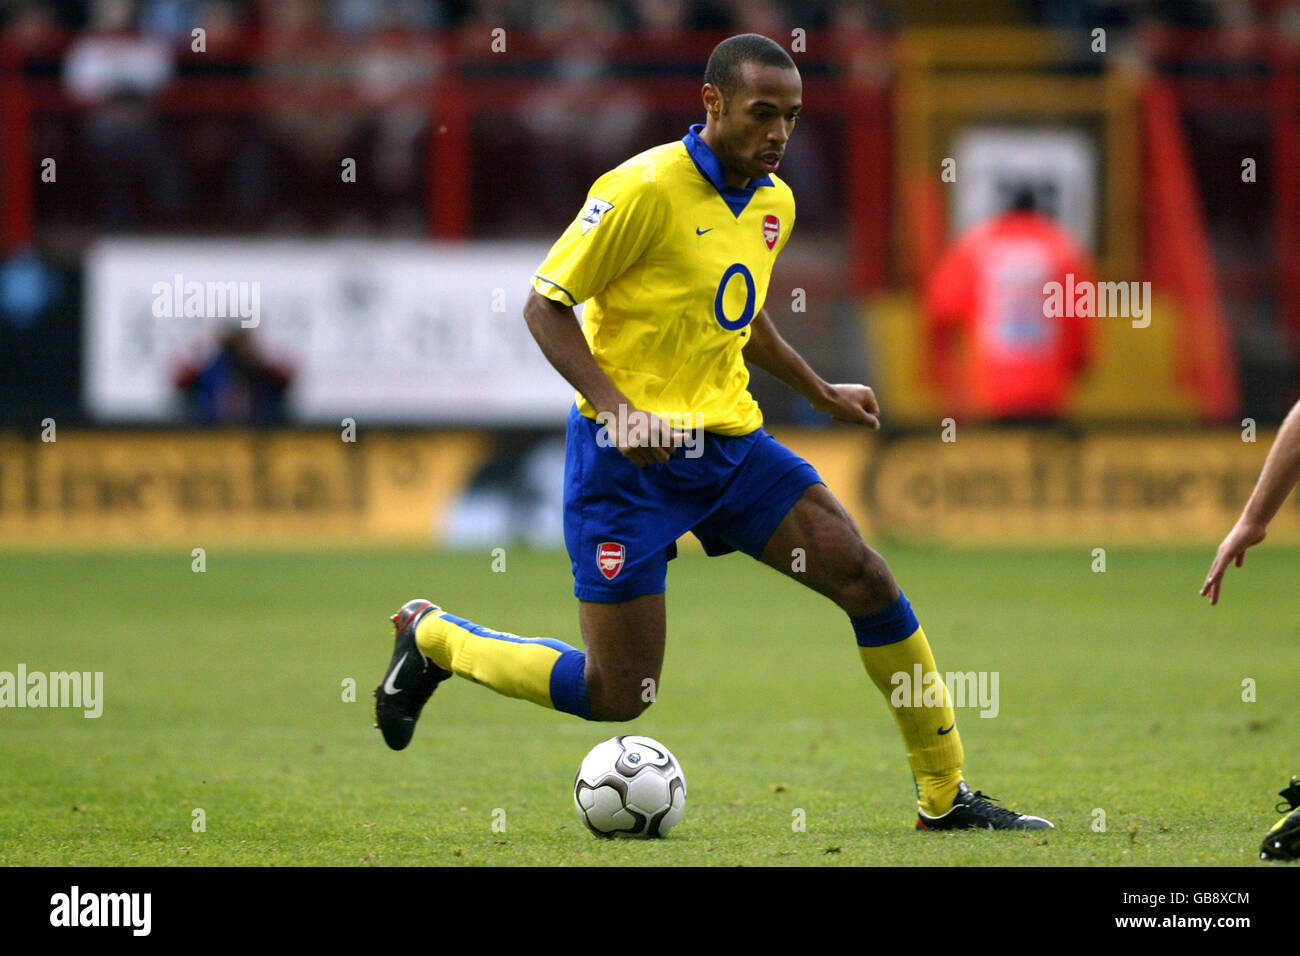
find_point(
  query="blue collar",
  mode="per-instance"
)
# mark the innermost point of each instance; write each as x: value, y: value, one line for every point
x: 709, y: 164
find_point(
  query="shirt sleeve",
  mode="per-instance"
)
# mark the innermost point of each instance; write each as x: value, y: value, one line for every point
x: 622, y: 218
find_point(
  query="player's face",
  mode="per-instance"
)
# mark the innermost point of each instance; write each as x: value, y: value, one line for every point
x: 755, y: 123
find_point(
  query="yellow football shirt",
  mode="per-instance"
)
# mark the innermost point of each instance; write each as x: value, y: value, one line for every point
x: 673, y: 265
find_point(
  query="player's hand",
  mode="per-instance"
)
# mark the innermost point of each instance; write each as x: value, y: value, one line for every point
x: 644, y: 438
x: 1244, y: 534
x: 855, y: 404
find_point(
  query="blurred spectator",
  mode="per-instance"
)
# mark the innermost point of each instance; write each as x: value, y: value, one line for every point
x: 170, y: 18
x: 580, y: 123
x: 114, y: 75
x: 27, y: 287
x: 863, y: 52
x: 295, y: 147
x: 474, y: 15
x: 28, y: 24
x: 768, y: 17
x: 236, y: 386
x: 335, y: 82
x: 364, y: 16
x: 659, y: 25
x: 995, y: 354
x: 39, y: 16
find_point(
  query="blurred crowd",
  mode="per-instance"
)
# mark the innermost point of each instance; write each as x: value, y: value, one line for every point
x: 174, y: 18
x: 316, y: 81
x: 304, y: 84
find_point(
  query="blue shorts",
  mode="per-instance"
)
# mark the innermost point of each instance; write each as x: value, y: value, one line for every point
x: 621, y: 522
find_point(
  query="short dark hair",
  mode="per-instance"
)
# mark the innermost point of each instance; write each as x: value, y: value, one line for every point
x: 1022, y: 199
x: 727, y: 58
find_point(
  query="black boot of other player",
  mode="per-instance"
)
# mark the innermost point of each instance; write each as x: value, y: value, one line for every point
x: 1282, y: 842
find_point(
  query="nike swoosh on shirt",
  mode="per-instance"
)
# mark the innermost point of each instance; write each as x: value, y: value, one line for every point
x: 942, y: 731
x: 389, y: 686
x: 700, y: 232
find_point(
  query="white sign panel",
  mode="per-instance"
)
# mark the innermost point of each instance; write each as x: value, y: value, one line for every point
x: 1058, y: 165
x: 381, y: 332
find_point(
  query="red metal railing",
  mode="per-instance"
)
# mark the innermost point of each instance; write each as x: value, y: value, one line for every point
x: 465, y: 82
x: 1242, y: 74
x: 1180, y: 259
x: 460, y: 90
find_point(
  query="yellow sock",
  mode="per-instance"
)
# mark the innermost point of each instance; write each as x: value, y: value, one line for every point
x: 906, y: 674
x: 541, y: 670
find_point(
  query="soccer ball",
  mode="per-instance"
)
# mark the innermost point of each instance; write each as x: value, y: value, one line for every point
x: 630, y: 786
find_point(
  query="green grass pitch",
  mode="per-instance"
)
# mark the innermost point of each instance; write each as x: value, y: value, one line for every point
x: 1119, y: 691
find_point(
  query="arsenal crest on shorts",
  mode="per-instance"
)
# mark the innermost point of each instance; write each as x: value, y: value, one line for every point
x: 609, y: 558
x: 771, y: 230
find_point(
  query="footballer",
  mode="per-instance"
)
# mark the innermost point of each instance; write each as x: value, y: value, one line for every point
x: 672, y: 253
x: 1277, y: 479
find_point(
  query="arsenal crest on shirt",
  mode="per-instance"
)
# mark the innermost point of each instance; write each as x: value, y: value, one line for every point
x: 771, y: 230
x: 609, y: 558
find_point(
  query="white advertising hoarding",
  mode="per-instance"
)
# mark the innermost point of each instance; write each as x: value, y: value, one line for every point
x: 1059, y: 165
x: 381, y: 332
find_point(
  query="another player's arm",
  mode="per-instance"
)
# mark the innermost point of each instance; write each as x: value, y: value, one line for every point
x: 1278, y: 478
x: 558, y: 334
x: 846, y: 403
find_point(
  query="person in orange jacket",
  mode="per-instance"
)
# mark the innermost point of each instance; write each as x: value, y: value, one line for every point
x: 997, y: 352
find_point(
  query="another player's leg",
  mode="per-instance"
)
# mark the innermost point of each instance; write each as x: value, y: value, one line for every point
x: 624, y: 641
x: 838, y: 564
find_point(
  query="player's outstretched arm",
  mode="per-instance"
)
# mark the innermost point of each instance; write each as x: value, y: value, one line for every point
x: 845, y: 403
x: 558, y: 334
x: 1278, y: 478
